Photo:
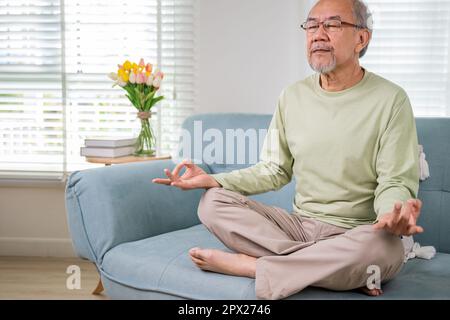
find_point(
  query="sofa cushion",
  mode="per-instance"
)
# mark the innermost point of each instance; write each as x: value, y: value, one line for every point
x: 161, y: 265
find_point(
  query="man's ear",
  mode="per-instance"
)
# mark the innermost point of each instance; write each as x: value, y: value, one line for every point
x: 363, y: 40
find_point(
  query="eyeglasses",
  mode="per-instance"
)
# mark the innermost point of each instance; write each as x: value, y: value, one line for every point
x: 329, y: 25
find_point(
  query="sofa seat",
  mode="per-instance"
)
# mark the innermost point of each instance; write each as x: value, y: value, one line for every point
x: 160, y: 267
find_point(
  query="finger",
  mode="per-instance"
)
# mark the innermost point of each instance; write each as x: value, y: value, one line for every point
x: 168, y: 174
x: 393, y: 225
x: 400, y: 218
x: 419, y: 204
x: 394, y: 218
x: 379, y: 225
x: 399, y: 228
x: 416, y: 203
x: 185, y: 185
x: 405, y: 215
x: 417, y: 208
x: 162, y: 181
x: 397, y: 207
x: 413, y: 230
x: 188, y: 163
x: 178, y: 167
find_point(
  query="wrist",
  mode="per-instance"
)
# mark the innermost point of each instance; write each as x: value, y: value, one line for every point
x: 213, y: 183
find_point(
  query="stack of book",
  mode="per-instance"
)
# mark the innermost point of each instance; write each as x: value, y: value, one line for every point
x: 108, y: 147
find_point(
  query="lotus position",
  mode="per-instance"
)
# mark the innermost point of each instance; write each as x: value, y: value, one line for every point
x: 348, y: 136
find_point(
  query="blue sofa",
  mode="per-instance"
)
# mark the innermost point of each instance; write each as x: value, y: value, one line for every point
x: 138, y: 233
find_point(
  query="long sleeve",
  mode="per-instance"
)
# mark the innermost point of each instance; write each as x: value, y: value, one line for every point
x: 274, y: 168
x: 397, y: 163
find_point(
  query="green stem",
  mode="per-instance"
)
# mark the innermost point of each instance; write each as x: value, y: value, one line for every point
x: 146, y: 140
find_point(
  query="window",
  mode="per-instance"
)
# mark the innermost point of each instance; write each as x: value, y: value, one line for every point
x: 54, y: 91
x: 410, y: 46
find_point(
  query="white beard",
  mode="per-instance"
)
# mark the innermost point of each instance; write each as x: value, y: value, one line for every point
x: 324, y: 68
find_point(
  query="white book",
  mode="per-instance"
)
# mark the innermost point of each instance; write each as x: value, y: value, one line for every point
x: 109, y: 141
x: 107, y: 152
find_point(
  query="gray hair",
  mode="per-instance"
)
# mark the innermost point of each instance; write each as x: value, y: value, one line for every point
x: 363, y: 18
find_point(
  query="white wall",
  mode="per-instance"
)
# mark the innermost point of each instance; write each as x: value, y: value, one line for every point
x: 33, y: 222
x: 248, y: 51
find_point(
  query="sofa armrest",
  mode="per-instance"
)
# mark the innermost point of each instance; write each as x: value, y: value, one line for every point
x: 116, y: 204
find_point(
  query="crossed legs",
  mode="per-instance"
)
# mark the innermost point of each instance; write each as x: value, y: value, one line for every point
x: 286, y: 253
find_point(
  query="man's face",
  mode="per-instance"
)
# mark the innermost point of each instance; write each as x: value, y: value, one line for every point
x: 330, y: 49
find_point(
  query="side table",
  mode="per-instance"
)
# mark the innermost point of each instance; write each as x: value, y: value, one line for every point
x: 125, y: 159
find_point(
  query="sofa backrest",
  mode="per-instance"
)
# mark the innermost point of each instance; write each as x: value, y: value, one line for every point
x: 434, y: 134
x: 244, y: 125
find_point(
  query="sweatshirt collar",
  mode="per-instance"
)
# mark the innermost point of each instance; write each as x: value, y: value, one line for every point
x: 324, y: 92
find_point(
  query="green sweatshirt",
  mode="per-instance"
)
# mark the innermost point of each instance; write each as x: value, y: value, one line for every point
x: 353, y: 153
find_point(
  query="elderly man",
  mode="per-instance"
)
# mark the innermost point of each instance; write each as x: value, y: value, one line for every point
x: 349, y: 138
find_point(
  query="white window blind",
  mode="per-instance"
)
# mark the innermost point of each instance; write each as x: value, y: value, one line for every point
x: 410, y: 46
x: 54, y: 59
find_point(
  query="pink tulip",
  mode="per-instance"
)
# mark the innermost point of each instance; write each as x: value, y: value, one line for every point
x: 142, y: 63
x: 159, y: 74
x: 140, y: 78
x: 157, y: 83
x: 149, y: 80
x: 132, y: 77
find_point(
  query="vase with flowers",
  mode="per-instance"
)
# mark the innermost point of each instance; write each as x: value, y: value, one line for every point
x: 141, y: 86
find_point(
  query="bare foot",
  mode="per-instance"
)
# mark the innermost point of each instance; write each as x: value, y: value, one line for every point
x: 371, y: 292
x: 235, y: 264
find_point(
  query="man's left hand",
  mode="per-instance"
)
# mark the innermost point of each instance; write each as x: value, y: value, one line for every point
x: 402, y: 220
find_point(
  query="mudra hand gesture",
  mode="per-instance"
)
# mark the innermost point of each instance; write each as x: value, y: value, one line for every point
x: 194, y: 177
x: 402, y: 221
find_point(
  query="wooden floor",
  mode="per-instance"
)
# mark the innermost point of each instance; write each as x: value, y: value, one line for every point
x: 45, y: 278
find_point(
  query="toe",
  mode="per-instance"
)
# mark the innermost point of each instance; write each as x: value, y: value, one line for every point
x: 375, y: 292
x: 198, y: 262
x: 372, y: 292
x: 194, y: 252
x: 203, y: 254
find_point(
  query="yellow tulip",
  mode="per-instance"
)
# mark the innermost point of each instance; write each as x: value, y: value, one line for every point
x: 125, y: 77
x: 127, y: 65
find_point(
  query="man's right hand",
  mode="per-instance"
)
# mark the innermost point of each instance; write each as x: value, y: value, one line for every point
x: 194, y: 177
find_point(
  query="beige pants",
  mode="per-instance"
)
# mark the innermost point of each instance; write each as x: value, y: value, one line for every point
x: 295, y: 252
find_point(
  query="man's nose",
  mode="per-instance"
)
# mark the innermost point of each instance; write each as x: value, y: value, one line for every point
x: 320, y: 34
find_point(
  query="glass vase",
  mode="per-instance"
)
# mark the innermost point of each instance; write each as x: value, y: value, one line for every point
x: 146, y: 143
